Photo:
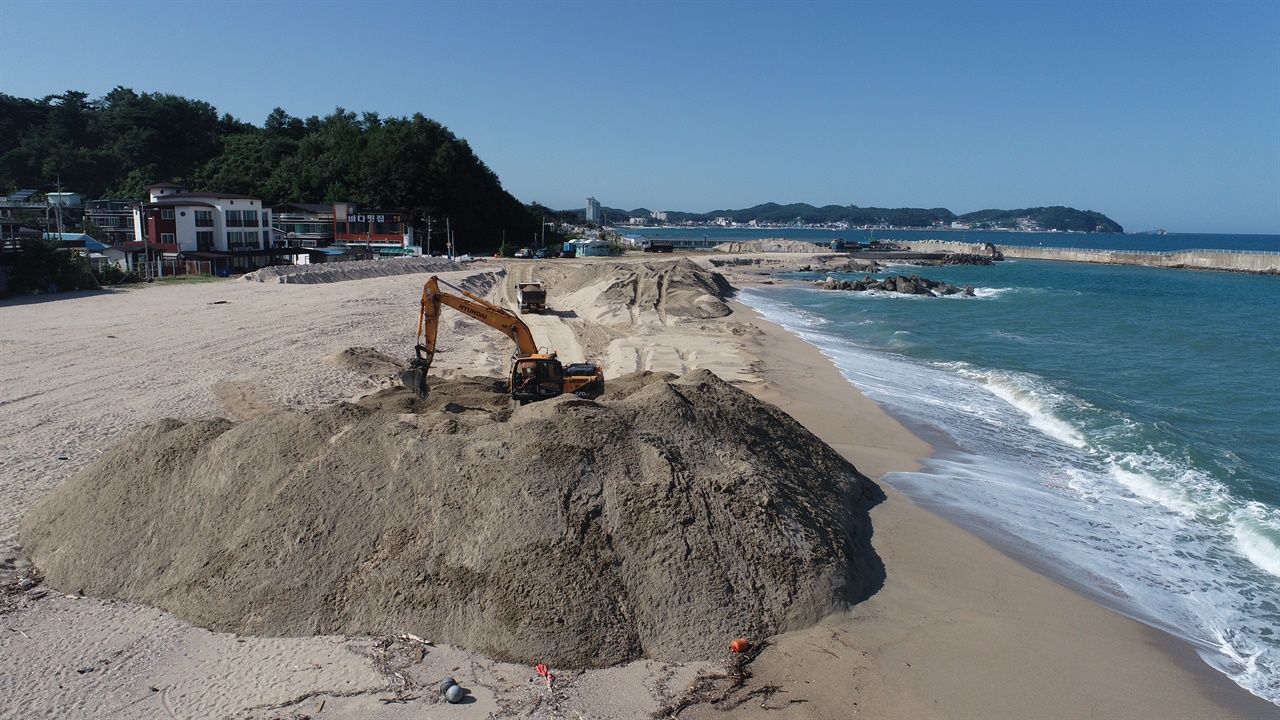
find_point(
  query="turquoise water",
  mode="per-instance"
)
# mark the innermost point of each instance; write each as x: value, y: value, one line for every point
x: 1116, y: 427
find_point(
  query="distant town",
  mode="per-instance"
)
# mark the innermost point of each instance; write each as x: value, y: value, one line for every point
x: 852, y: 217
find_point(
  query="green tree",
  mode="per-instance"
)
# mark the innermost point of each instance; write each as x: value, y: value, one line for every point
x: 123, y: 142
x: 43, y: 265
x: 94, y: 231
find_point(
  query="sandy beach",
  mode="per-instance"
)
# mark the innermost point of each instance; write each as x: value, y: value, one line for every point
x: 956, y: 629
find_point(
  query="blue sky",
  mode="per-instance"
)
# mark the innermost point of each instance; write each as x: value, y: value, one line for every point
x: 1158, y: 114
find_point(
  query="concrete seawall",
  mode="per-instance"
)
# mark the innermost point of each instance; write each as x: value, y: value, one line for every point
x: 1228, y: 260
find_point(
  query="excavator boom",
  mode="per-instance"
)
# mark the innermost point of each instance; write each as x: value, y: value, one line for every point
x: 534, y: 376
x: 477, y: 307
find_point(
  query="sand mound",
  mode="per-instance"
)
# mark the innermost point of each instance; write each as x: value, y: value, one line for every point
x: 366, y: 361
x: 651, y: 292
x: 771, y: 245
x: 577, y: 533
x: 351, y: 270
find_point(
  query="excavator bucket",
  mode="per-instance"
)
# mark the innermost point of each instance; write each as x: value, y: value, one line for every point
x: 415, y: 379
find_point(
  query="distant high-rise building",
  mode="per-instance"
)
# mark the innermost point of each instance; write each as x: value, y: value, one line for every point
x: 593, y: 211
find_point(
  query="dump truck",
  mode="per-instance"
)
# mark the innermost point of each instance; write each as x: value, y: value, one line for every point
x: 532, y: 297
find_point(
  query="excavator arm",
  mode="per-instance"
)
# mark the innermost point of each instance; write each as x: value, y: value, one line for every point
x: 475, y: 306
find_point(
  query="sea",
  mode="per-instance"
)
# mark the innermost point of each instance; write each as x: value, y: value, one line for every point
x: 1117, y: 428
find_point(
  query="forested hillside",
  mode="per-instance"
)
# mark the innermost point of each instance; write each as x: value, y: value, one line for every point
x: 116, y: 145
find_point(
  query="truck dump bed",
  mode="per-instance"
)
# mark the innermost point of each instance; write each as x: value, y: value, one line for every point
x: 532, y: 297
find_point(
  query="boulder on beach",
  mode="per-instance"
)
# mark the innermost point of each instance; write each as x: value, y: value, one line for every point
x: 659, y: 522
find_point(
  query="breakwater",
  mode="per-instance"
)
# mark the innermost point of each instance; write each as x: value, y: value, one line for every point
x: 1263, y: 262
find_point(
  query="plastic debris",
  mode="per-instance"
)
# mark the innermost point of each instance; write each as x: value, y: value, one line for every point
x: 544, y: 672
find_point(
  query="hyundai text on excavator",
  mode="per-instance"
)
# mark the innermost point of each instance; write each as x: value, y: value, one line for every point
x: 535, y: 375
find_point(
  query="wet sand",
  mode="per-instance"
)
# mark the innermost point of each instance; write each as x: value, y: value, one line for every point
x: 960, y: 629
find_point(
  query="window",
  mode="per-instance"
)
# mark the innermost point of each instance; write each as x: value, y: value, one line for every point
x: 266, y: 219
x: 233, y: 218
x: 242, y: 241
x: 166, y: 214
x: 204, y: 218
x: 250, y: 218
x: 204, y: 240
x: 167, y: 237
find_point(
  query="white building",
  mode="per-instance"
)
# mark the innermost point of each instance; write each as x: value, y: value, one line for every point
x: 593, y: 211
x: 230, y: 231
x: 202, y: 222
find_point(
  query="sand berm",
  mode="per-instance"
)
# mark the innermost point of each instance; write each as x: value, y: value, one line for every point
x: 667, y: 517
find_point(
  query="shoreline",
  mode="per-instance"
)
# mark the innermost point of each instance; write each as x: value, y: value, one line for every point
x: 958, y: 629
x: 1177, y: 682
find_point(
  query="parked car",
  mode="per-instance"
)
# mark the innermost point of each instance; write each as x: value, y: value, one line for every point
x: 523, y: 253
x: 540, y: 253
x: 568, y: 253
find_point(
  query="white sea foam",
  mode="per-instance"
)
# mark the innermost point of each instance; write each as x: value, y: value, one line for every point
x: 1149, y: 487
x: 1257, y: 534
x: 988, y: 293
x: 1021, y: 393
x: 1094, y: 495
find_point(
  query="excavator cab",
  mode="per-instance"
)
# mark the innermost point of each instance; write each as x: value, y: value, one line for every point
x: 536, y: 377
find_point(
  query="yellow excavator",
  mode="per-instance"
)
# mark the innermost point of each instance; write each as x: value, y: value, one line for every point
x: 534, y: 375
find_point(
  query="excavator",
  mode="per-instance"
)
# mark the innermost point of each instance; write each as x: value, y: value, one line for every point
x: 535, y: 375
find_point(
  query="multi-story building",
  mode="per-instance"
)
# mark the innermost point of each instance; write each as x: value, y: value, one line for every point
x: 593, y: 211
x: 343, y: 225
x: 229, y: 231
x: 383, y: 232
x: 115, y: 217
x: 304, y: 225
x: 49, y: 212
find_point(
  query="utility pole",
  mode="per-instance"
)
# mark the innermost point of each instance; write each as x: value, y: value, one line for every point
x: 146, y: 243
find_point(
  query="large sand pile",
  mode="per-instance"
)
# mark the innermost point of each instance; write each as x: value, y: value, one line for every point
x: 659, y: 292
x: 771, y: 245
x: 662, y: 521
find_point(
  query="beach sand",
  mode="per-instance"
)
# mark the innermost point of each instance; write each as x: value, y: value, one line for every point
x: 957, y: 630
